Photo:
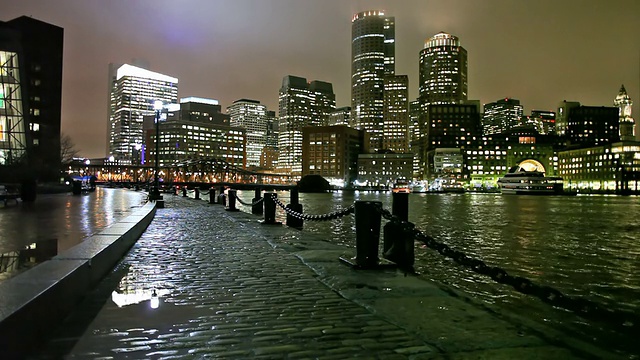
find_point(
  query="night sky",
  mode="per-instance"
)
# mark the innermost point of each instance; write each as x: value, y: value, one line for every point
x: 540, y: 52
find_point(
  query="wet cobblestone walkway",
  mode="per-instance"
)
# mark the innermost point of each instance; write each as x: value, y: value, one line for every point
x: 226, y: 293
x: 228, y: 287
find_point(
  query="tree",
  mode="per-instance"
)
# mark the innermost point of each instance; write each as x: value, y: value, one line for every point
x: 67, y: 149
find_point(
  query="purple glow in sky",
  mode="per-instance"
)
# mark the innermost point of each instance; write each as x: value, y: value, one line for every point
x: 540, y: 52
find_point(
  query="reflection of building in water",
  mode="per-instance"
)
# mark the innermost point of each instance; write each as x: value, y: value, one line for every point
x: 14, y: 262
x: 136, y: 287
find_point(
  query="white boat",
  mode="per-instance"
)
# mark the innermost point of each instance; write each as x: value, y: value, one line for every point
x: 521, y: 182
x: 401, y: 186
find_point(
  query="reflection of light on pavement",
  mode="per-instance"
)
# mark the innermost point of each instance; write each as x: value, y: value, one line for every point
x: 138, y: 296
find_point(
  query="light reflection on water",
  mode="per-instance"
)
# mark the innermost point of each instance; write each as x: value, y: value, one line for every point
x: 58, y: 220
x: 584, y: 246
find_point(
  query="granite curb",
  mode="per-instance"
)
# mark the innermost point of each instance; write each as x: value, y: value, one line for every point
x: 33, y: 300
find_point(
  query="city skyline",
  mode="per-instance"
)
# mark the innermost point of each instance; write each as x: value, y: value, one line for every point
x: 228, y: 50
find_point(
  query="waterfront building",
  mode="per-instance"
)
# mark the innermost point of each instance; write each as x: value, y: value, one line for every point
x: 383, y: 169
x: 187, y: 134
x: 132, y: 97
x: 448, y: 126
x: 416, y: 139
x: 591, y: 125
x: 341, y: 116
x: 332, y: 152
x: 613, y: 167
x: 30, y: 97
x: 501, y: 115
x: 252, y: 116
x: 395, y: 128
x: 443, y: 71
x: 372, y: 58
x: 562, y: 118
x: 494, y: 154
x: 627, y: 124
x: 300, y: 104
x: 544, y: 121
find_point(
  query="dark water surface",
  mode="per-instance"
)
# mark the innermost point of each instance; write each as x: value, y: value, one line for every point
x: 34, y: 232
x: 584, y: 246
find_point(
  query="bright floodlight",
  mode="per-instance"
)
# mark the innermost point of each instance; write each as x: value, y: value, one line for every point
x: 87, y: 162
x: 157, y: 105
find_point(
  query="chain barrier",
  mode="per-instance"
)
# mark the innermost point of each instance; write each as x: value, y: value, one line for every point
x: 628, y: 322
x: 249, y: 204
x: 202, y: 192
x: 323, y: 217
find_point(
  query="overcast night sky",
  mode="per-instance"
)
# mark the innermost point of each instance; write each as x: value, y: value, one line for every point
x: 540, y: 52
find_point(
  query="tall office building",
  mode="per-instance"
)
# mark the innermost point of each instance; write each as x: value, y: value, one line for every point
x: 396, y: 113
x: 252, y: 116
x: 627, y: 124
x: 372, y: 57
x: 341, y: 116
x: 443, y: 71
x: 501, y: 115
x: 544, y: 121
x: 31, y: 95
x: 300, y: 104
x: 132, y: 97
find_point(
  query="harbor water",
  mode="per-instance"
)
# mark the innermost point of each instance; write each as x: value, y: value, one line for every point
x: 584, y: 246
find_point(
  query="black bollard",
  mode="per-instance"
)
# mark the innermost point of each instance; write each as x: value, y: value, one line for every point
x: 270, y: 209
x: 184, y: 191
x: 197, y: 196
x: 256, y: 208
x: 76, y: 187
x: 232, y: 200
x: 398, y: 238
x: 212, y: 196
x: 368, y: 221
x: 294, y: 204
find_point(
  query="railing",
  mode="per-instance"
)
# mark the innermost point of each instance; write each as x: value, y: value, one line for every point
x: 398, y: 247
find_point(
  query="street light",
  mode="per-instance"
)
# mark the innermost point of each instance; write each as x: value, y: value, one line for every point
x: 155, y: 192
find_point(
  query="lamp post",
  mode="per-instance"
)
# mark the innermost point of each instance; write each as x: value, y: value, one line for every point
x: 155, y: 192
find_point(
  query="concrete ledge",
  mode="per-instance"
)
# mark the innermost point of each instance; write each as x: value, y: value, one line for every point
x: 33, y: 300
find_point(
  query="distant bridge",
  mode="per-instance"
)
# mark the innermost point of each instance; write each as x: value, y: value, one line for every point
x: 200, y: 170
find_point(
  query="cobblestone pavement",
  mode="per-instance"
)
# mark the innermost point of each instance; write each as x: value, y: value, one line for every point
x: 225, y: 291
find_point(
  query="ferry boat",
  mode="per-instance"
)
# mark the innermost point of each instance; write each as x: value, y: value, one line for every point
x: 401, y: 186
x: 521, y: 182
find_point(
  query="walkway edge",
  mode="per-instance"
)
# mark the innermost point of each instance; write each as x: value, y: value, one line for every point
x: 35, y: 300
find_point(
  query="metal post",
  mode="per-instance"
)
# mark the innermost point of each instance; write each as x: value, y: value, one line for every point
x: 398, y: 240
x: 294, y: 204
x: 368, y: 221
x: 212, y: 195
x: 197, y: 196
x: 257, y: 208
x: 232, y: 200
x: 270, y: 209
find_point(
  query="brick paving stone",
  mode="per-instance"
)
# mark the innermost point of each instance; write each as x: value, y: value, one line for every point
x: 226, y: 291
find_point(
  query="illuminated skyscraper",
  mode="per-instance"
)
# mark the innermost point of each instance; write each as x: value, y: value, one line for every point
x: 372, y: 57
x: 30, y: 95
x: 501, y: 116
x: 300, y: 104
x: 443, y: 71
x: 396, y: 113
x: 627, y: 124
x: 252, y: 116
x: 132, y: 97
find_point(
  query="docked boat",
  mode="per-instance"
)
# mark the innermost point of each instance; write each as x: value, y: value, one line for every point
x: 521, y: 182
x: 401, y: 186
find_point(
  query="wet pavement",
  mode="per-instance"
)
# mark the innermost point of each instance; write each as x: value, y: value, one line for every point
x: 202, y: 282
x: 31, y: 233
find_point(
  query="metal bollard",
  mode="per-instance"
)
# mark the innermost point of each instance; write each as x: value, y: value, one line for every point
x: 212, y: 196
x: 256, y: 208
x: 398, y: 239
x: 232, y: 200
x: 197, y: 196
x: 270, y: 209
x: 294, y: 204
x: 368, y: 221
x: 184, y: 191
